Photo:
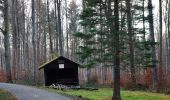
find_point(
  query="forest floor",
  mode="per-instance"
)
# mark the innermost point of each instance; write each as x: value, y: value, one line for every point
x: 106, y: 94
x: 5, y: 95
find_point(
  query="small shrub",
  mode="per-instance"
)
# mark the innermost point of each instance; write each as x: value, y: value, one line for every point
x: 167, y: 90
x: 133, y: 87
x: 5, y: 95
x: 90, y: 84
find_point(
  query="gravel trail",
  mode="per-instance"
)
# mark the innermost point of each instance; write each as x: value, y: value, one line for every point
x: 31, y: 93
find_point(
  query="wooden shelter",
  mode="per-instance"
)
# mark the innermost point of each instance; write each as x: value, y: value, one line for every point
x: 60, y: 70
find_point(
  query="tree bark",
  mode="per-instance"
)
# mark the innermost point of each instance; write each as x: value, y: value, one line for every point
x: 131, y: 45
x: 116, y: 95
x: 67, y: 36
x: 160, y: 47
x: 56, y: 27
x: 152, y: 39
x: 6, y: 42
x: 144, y: 21
x: 14, y: 35
x: 61, y: 50
x: 49, y: 28
x: 34, y: 41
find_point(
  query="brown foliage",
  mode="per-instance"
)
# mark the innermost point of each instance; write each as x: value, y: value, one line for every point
x: 2, y: 76
x: 148, y: 77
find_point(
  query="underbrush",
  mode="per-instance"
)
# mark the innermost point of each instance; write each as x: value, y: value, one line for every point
x: 167, y: 90
x: 134, y: 87
x: 95, y: 85
x: 4, y: 95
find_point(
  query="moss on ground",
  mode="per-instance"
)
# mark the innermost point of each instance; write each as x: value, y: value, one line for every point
x: 4, y: 95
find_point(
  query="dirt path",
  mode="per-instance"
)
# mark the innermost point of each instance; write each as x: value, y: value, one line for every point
x: 30, y: 93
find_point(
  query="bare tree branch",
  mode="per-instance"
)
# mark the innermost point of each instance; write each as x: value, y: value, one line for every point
x: 2, y: 30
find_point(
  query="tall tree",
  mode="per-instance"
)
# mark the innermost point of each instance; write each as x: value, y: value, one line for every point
x: 67, y: 33
x: 160, y: 45
x: 143, y: 9
x: 56, y: 26
x: 73, y: 17
x: 116, y: 95
x: 61, y: 49
x: 49, y: 28
x: 34, y: 40
x: 6, y: 41
x: 14, y: 30
x: 152, y: 42
x: 131, y: 45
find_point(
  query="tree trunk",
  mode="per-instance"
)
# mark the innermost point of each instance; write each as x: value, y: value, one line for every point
x: 116, y: 95
x: 61, y: 50
x: 160, y: 47
x: 152, y: 39
x: 144, y: 21
x: 34, y: 41
x: 49, y: 29
x: 168, y: 35
x: 6, y: 42
x: 67, y: 29
x: 14, y: 35
x: 131, y: 45
x: 56, y: 27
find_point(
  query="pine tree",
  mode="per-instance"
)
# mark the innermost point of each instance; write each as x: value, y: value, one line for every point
x: 90, y: 19
x: 131, y: 41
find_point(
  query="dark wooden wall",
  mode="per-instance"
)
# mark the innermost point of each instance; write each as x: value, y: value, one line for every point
x: 67, y: 76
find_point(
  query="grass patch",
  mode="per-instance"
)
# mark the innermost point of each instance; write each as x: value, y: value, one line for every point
x: 4, y: 95
x: 106, y: 94
x: 137, y: 95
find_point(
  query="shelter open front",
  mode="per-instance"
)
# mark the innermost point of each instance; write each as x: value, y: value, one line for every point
x: 62, y: 76
x: 60, y: 70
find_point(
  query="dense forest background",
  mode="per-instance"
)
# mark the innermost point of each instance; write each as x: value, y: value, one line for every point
x: 107, y: 37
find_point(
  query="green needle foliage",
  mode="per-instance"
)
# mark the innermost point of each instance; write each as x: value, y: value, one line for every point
x: 97, y: 37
